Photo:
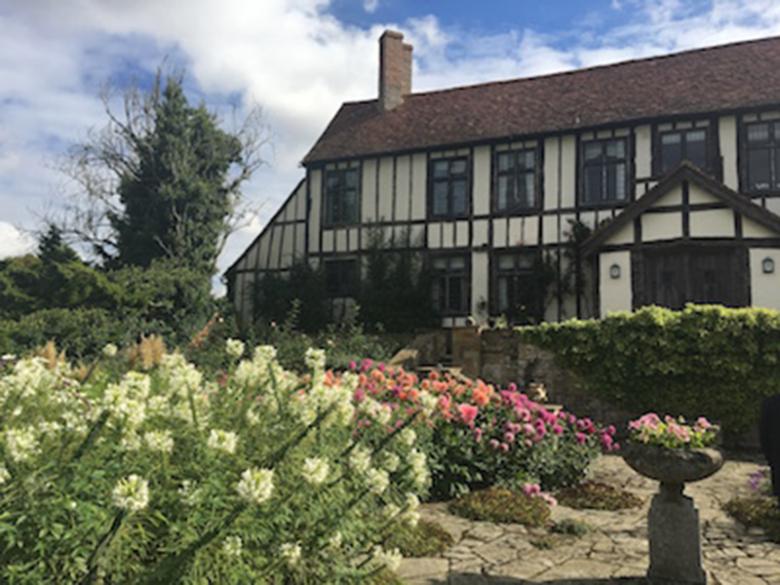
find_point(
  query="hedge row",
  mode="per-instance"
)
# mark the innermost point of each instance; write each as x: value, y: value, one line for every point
x: 704, y: 360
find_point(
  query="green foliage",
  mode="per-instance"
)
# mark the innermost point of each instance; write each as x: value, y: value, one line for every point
x: 176, y: 198
x: 79, y: 332
x: 346, y: 341
x: 396, y: 291
x: 145, y: 477
x: 756, y: 511
x: 301, y: 293
x: 703, y: 360
x: 91, y: 307
x: 592, y: 495
x: 503, y: 506
x: 571, y: 527
x: 426, y: 539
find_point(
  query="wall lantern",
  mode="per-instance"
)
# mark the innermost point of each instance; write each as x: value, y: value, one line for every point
x: 768, y: 265
x: 614, y: 271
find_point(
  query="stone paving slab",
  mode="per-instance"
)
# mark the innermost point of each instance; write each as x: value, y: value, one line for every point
x: 614, y: 551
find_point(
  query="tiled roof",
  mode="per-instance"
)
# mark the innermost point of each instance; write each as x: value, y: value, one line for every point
x: 704, y: 80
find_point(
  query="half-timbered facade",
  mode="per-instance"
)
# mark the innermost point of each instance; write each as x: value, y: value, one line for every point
x: 673, y: 164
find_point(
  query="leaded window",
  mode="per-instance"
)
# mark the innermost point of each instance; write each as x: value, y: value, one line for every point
x: 516, y: 180
x: 451, y: 284
x: 518, y: 294
x: 341, y: 277
x: 762, y: 142
x: 605, y: 171
x: 449, y: 187
x: 342, y: 196
x: 680, y: 145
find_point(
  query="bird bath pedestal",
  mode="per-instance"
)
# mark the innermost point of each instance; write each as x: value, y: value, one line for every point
x: 673, y: 521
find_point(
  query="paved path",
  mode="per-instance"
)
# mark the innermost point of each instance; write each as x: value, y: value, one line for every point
x: 615, y: 551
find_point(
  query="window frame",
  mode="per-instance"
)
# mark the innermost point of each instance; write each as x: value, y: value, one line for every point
x: 496, y: 272
x: 773, y: 145
x: 537, y: 181
x: 327, y: 196
x: 438, y: 273
x: 710, y: 128
x: 432, y: 180
x: 349, y: 291
x: 583, y: 164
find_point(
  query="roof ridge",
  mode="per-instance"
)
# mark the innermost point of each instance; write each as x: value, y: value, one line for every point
x: 584, y: 69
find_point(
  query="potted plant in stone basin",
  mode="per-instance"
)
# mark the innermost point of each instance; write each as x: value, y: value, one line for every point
x: 674, y: 453
x: 671, y: 451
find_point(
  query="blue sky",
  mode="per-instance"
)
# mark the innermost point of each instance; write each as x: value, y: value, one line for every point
x: 298, y: 60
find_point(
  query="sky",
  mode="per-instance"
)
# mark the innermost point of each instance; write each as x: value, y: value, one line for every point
x: 297, y: 60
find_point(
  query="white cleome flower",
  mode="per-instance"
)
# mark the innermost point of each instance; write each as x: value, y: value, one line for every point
x: 291, y: 553
x: 232, y: 546
x: 428, y: 403
x: 315, y: 470
x: 225, y: 441
x: 4, y: 474
x: 377, y: 481
x: 360, y: 460
x: 190, y: 493
x: 407, y: 436
x: 21, y: 444
x: 418, y: 463
x: 315, y: 359
x: 390, y: 462
x: 389, y: 559
x: 256, y: 485
x: 234, y: 348
x: 159, y: 441
x: 110, y: 350
x: 410, y: 514
x: 131, y: 493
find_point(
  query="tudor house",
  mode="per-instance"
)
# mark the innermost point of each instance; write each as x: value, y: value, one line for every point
x: 672, y: 162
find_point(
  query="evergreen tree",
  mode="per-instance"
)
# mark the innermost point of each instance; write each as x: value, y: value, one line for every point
x: 162, y: 181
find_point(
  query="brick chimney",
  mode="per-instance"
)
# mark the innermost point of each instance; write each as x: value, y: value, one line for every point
x: 395, y: 70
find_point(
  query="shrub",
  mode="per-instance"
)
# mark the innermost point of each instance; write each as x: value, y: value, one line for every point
x: 706, y: 360
x: 503, y: 506
x: 482, y: 437
x: 592, y: 495
x: 571, y: 527
x: 425, y: 539
x: 164, y: 476
x: 756, y: 511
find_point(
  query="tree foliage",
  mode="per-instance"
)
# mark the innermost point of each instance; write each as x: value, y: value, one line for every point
x: 163, y: 180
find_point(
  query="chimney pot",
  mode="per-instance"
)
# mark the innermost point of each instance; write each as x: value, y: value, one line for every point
x: 395, y: 70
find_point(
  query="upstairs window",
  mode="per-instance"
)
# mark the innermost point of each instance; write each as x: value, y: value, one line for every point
x: 515, y: 180
x: 604, y: 171
x: 763, y: 156
x: 518, y: 292
x: 451, y: 285
x: 342, y: 197
x: 449, y: 187
x: 680, y: 145
x: 341, y: 278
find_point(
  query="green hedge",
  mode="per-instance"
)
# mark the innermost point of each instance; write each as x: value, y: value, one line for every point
x: 704, y: 360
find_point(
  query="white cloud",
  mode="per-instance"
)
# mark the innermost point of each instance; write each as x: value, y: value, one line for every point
x: 294, y: 58
x: 14, y: 242
x: 370, y: 6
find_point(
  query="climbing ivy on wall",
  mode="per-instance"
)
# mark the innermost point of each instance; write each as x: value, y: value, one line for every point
x: 704, y: 360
